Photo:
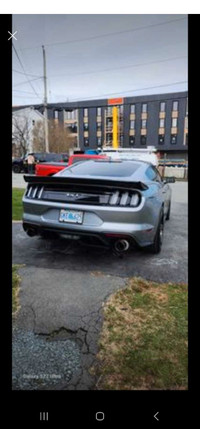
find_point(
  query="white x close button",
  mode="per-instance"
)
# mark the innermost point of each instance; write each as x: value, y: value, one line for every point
x: 12, y: 35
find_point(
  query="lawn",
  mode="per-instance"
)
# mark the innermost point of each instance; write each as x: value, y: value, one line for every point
x: 143, y: 343
x: 17, y: 208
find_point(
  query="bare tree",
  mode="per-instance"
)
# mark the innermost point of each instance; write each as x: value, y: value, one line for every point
x: 21, y: 134
x: 38, y: 137
x: 60, y: 139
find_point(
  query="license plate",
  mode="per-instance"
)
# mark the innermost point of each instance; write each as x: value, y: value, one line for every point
x: 71, y: 216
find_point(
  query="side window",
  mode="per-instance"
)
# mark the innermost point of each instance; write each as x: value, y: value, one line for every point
x: 158, y: 176
x: 40, y: 157
x: 150, y: 173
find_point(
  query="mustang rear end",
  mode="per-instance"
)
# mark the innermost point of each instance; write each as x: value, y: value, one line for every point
x: 109, y: 202
x: 101, y: 209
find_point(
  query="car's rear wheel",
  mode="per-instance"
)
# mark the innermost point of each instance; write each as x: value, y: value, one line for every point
x: 168, y: 211
x: 16, y: 168
x: 158, y: 240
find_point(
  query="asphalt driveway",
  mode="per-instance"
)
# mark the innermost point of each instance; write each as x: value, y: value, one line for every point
x: 64, y: 285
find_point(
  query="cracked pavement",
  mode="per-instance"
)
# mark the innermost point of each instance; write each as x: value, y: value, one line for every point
x: 64, y: 286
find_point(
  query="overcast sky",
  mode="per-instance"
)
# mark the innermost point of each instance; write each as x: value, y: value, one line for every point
x: 98, y: 56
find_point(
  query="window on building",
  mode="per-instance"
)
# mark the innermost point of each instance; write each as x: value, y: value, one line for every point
x: 109, y: 110
x: 33, y: 122
x: 121, y: 139
x: 173, y: 138
x: 55, y: 114
x: 143, y: 123
x: 98, y: 126
x: 186, y: 123
x: 174, y: 122
x: 132, y: 108
x: 85, y: 126
x: 72, y: 114
x: 121, y: 109
x: 86, y: 141
x: 132, y: 125
x: 175, y: 106
x: 72, y: 128
x: 143, y: 139
x: 144, y: 108
x: 131, y: 140
x: 109, y: 125
x: 162, y: 106
x: 99, y: 141
x: 98, y: 111
x: 161, y: 139
x: 85, y: 113
x: 109, y: 138
x: 161, y: 123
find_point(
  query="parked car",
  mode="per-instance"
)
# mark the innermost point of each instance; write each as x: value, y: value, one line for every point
x: 51, y: 168
x: 20, y: 165
x: 115, y: 203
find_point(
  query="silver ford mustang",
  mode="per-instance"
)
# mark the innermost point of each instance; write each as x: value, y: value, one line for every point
x: 114, y: 203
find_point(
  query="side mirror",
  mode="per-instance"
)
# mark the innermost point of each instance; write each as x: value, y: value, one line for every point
x: 169, y: 180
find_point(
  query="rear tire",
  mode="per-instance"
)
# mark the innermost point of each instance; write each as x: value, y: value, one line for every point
x: 16, y: 168
x: 168, y: 211
x: 158, y: 240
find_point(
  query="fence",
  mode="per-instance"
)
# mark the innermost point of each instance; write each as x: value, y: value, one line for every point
x: 180, y: 173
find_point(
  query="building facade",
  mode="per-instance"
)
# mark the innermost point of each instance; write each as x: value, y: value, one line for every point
x: 159, y: 120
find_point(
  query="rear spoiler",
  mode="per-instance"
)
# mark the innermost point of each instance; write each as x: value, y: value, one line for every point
x: 104, y: 184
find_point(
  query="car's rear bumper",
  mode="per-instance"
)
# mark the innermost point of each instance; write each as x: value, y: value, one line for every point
x: 107, y: 223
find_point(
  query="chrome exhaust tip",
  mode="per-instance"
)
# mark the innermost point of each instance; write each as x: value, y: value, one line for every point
x: 121, y: 245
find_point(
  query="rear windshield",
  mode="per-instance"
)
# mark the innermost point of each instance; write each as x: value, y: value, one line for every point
x: 102, y: 168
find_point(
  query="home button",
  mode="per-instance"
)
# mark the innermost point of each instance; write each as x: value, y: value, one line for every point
x: 100, y: 416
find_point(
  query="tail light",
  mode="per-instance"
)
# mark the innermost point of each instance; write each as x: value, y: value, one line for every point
x: 125, y: 199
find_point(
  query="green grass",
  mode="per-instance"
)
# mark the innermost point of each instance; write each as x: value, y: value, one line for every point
x: 17, y: 208
x: 15, y: 288
x: 143, y: 344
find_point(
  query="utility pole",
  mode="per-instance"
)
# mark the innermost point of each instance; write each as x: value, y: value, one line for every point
x: 46, y: 133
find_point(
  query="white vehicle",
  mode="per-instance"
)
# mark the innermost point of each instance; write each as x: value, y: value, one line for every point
x: 147, y: 154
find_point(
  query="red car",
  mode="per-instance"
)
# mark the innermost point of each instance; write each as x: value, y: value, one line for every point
x: 48, y: 169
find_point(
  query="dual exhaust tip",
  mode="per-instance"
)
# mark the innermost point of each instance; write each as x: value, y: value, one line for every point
x: 121, y: 245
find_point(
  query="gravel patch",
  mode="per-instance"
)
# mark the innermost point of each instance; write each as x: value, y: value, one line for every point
x: 39, y: 362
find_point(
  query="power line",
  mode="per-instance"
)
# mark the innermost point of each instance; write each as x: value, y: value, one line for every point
x: 25, y: 82
x: 131, y: 90
x: 26, y: 74
x: 24, y: 96
x: 16, y: 53
x: 28, y: 80
x: 120, y: 68
x: 109, y: 34
x: 20, y: 90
